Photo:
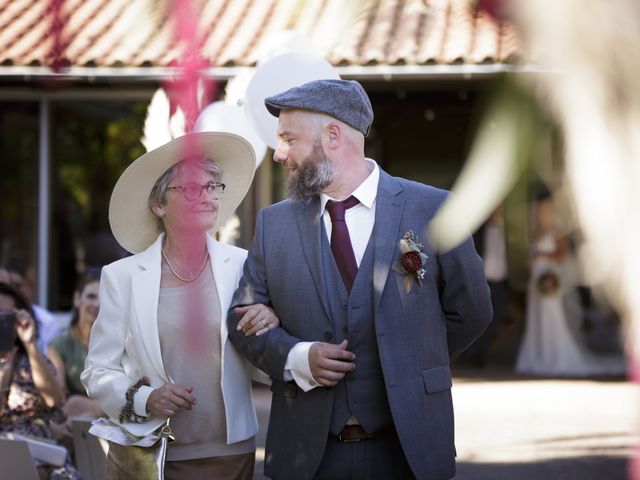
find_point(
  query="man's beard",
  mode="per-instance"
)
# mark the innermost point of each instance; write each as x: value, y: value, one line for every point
x: 314, y: 174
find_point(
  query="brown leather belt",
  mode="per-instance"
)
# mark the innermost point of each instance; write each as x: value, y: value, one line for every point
x: 355, y: 433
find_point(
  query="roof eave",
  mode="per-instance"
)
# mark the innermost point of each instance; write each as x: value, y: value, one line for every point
x: 357, y: 72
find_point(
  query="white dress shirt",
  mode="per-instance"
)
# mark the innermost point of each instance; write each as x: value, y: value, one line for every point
x: 48, y: 328
x: 359, y: 219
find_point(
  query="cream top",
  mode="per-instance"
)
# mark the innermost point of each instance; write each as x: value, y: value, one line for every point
x: 189, y: 325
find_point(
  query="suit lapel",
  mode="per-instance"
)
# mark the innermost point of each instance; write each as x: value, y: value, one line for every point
x: 146, y: 291
x: 389, y: 207
x: 308, y: 220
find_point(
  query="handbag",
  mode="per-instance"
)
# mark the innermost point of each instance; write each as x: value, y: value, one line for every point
x: 131, y: 457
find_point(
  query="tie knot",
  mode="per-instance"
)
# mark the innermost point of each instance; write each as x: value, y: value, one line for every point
x: 336, y: 209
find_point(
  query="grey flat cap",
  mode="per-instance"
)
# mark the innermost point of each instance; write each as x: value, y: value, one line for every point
x: 344, y: 100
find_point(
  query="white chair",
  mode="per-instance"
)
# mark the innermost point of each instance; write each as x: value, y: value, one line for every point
x: 90, y: 451
x: 16, y: 460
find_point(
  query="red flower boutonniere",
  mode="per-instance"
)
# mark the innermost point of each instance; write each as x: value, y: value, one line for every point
x: 412, y: 260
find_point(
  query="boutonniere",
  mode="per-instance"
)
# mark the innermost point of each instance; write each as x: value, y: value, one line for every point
x: 412, y: 260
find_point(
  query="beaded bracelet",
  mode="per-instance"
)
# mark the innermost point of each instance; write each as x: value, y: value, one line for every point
x: 127, y: 413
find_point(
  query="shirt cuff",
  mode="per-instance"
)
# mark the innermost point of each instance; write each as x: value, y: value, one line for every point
x: 297, y: 367
x: 140, y: 400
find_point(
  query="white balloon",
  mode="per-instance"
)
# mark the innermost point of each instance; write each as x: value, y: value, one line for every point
x: 221, y: 116
x: 277, y: 75
x: 236, y: 87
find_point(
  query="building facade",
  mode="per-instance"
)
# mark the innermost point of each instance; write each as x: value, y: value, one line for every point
x: 67, y: 134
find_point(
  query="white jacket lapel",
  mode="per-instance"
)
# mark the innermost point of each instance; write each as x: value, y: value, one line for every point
x: 225, y: 280
x: 146, y: 292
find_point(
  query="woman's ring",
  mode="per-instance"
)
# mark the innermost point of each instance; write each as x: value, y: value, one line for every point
x: 264, y: 324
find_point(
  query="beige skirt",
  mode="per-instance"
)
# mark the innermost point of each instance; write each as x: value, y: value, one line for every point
x: 232, y: 467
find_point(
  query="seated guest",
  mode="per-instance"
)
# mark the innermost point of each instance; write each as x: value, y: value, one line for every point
x: 69, y: 350
x: 31, y: 393
x: 48, y: 327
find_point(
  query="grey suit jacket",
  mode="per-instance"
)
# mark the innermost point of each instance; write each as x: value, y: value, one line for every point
x: 418, y: 333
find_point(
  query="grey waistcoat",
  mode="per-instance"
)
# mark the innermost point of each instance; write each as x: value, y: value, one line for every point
x: 362, y: 392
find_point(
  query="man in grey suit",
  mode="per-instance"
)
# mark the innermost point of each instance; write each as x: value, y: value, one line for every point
x: 371, y: 316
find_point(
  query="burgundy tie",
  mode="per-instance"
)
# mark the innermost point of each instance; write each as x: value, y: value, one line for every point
x: 340, y: 241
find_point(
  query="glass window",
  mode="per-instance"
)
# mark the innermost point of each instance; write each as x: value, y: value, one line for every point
x: 422, y: 136
x: 92, y: 142
x: 19, y: 187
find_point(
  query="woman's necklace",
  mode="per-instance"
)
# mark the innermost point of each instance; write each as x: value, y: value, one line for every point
x: 189, y: 279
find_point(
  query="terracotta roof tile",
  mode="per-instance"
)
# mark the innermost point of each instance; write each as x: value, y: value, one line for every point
x: 113, y: 42
x: 211, y: 16
x: 347, y: 50
x: 11, y: 12
x: 412, y: 18
x: 279, y: 19
x: 306, y: 14
x: 357, y: 32
x: 130, y: 33
x: 486, y: 40
x: 225, y: 28
x: 433, y: 32
x: 510, y: 45
x: 21, y: 33
x: 459, y: 32
x: 333, y: 22
x: 247, y: 32
x: 381, y: 32
x: 158, y: 41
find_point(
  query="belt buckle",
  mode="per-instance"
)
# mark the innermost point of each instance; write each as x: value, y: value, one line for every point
x: 350, y: 440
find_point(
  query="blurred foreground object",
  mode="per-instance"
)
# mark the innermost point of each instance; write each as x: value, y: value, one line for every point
x: 591, y: 56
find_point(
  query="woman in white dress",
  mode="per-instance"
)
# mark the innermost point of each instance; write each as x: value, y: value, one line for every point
x: 549, y: 347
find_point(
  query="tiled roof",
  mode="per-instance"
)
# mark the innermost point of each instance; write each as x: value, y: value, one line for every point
x: 138, y: 33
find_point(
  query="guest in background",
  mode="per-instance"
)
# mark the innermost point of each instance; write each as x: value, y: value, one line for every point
x: 492, y: 246
x: 48, y: 327
x: 69, y: 350
x: 33, y: 395
x: 549, y: 347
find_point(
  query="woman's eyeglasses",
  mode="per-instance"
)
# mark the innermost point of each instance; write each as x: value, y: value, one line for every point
x: 193, y: 191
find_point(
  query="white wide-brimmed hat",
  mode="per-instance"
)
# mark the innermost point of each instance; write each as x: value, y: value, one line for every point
x: 133, y: 224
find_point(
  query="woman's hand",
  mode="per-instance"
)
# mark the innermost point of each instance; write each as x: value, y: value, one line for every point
x: 43, y: 372
x: 25, y: 328
x: 168, y: 399
x: 256, y: 319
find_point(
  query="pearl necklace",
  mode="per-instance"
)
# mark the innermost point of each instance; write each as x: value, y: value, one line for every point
x: 175, y: 274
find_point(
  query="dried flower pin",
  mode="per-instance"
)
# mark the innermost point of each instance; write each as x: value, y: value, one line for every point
x: 412, y: 260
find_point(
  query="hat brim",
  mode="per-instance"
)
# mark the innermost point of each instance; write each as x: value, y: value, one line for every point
x: 133, y: 224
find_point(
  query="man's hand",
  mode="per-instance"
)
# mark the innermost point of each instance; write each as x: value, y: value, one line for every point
x: 256, y: 319
x: 168, y: 399
x: 329, y: 363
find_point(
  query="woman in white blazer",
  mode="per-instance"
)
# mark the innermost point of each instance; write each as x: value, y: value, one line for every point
x: 159, y: 347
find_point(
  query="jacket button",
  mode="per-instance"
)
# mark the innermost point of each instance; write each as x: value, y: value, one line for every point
x: 327, y: 336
